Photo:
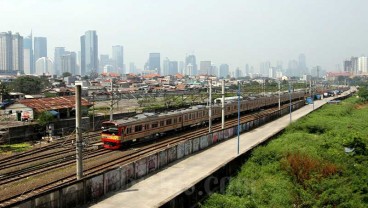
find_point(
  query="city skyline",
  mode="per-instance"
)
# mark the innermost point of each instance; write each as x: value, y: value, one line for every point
x: 233, y: 32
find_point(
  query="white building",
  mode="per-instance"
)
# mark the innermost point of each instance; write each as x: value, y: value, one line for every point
x: 44, y: 65
x: 362, y: 65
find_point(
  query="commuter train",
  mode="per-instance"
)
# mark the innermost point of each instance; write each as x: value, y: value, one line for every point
x: 118, y: 132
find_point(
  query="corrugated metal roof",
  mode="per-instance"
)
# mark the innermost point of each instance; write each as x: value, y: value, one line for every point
x: 53, y: 103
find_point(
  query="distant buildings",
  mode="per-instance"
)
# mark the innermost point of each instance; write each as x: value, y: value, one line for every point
x: 89, y: 53
x: 11, y: 53
x: 28, y: 62
x: 362, y: 65
x: 205, y: 67
x: 154, y: 62
x: 69, y: 63
x: 118, y: 58
x: 40, y: 47
x: 356, y: 65
x: 59, y: 52
x: 190, y: 67
x: 173, y: 67
x: 44, y: 65
x: 224, y: 70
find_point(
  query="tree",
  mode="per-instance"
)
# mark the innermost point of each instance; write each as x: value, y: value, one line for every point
x: 45, y: 118
x: 66, y: 74
x: 28, y: 84
x: 4, y: 92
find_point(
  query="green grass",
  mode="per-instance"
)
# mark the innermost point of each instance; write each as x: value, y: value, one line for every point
x: 20, y: 147
x: 307, y: 166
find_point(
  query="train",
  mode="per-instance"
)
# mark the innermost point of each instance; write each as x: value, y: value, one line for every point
x: 116, y: 133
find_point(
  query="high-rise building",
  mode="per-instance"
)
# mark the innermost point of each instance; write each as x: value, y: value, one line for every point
x: 18, y: 58
x: 59, y: 52
x: 118, y: 58
x: 40, y: 47
x: 192, y: 70
x: 205, y: 67
x: 347, y: 66
x: 293, y: 68
x: 363, y: 65
x: 173, y: 67
x: 104, y: 60
x: 6, y: 52
x: 69, y: 62
x: 238, y: 73
x: 89, y: 53
x: 264, y: 68
x: 302, y: 65
x: 28, y: 62
x: 247, y: 70
x: 181, y: 67
x: 44, y: 65
x: 224, y: 70
x: 154, y: 62
x: 132, y: 68
x: 166, y: 67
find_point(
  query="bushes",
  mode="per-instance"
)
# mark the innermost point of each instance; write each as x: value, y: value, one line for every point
x: 307, y: 165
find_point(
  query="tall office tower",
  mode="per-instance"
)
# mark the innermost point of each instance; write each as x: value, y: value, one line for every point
x: 191, y: 59
x: 89, y: 53
x: 347, y: 66
x: 6, y: 52
x: 44, y: 65
x: 69, y: 62
x: 363, y: 65
x: 59, y: 52
x: 224, y: 70
x: 165, y: 67
x: 132, y: 68
x: 292, y: 68
x: 28, y: 61
x: 205, y: 67
x: 104, y: 60
x: 238, y: 73
x: 354, y: 65
x: 302, y: 65
x: 189, y: 70
x: 154, y: 62
x: 181, y: 67
x: 173, y: 67
x: 18, y: 58
x: 272, y: 72
x: 40, y: 47
x: 118, y: 58
x: 264, y: 68
x: 247, y: 70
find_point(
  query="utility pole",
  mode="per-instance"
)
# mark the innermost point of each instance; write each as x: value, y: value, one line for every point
x: 210, y: 106
x: 93, y: 111
x: 79, y: 140
x: 223, y: 105
x: 112, y: 103
x: 290, y: 100
x: 238, y: 116
x: 279, y: 94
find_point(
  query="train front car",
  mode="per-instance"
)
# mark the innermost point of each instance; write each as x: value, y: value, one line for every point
x: 111, y: 135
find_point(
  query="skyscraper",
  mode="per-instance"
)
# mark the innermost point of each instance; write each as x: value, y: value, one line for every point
x: 363, y: 65
x: 40, y: 47
x: 154, y: 62
x: 264, y: 68
x: 6, y: 52
x: 166, y: 67
x: 205, y: 67
x: 28, y: 62
x: 118, y: 58
x: 173, y: 67
x: 17, y: 53
x: 224, y: 70
x: 89, y: 53
x: 68, y: 62
x: 192, y: 70
x: 44, y: 65
x: 302, y: 65
x: 59, y: 52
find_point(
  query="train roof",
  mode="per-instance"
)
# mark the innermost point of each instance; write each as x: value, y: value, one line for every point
x: 153, y: 116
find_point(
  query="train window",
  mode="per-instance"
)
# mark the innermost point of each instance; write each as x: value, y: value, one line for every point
x: 168, y: 122
x: 146, y: 126
x: 162, y: 123
x: 179, y: 119
x: 129, y: 130
x: 138, y: 128
x: 155, y: 125
x: 175, y: 120
x: 190, y: 116
x: 185, y: 117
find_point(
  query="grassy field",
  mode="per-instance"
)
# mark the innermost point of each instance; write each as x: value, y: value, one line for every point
x: 9, y: 148
x: 320, y: 161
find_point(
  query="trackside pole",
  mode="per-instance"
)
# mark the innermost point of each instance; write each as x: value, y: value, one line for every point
x: 78, y: 117
x: 223, y: 105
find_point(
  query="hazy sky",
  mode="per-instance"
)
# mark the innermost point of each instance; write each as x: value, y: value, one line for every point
x: 223, y: 31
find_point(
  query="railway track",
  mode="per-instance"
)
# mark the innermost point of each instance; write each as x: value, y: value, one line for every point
x: 126, y: 158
